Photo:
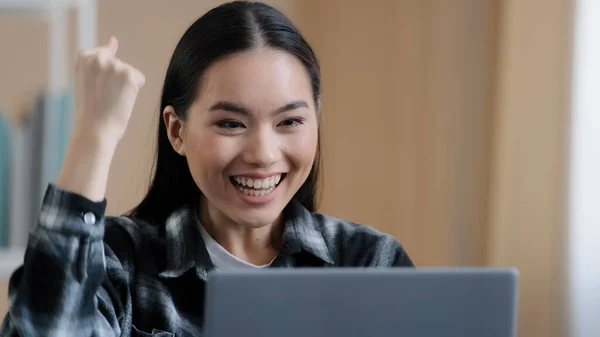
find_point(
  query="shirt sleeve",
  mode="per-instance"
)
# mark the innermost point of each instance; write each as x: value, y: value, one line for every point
x: 71, y: 283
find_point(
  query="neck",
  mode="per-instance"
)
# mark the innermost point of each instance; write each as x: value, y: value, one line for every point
x: 258, y: 246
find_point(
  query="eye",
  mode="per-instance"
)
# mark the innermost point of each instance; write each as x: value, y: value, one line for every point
x: 291, y: 122
x: 230, y: 124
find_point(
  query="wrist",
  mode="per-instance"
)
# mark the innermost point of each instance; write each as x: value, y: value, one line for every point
x: 94, y: 141
x: 86, y: 165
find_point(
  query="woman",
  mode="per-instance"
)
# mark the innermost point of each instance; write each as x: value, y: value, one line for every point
x: 234, y: 186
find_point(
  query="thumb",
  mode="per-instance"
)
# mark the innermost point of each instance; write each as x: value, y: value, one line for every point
x: 113, y: 45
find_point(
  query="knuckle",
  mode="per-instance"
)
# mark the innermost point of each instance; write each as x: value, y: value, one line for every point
x: 83, y: 54
x: 112, y: 66
x: 102, y: 64
x: 118, y: 66
x: 122, y: 72
x: 85, y: 61
x: 130, y: 75
x: 94, y: 62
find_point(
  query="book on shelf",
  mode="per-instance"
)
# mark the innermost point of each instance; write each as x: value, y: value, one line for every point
x: 33, y: 158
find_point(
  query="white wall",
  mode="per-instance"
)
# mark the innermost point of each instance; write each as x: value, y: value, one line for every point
x: 584, y: 215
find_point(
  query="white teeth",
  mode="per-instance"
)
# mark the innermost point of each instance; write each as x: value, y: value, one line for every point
x: 255, y: 192
x: 240, y: 180
x: 258, y: 184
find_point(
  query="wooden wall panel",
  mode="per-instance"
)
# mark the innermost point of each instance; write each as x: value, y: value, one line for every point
x: 406, y: 110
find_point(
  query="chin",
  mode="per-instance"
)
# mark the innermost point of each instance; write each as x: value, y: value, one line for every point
x: 254, y: 218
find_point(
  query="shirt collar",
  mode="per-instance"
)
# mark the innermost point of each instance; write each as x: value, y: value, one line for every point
x: 185, y: 248
x: 302, y: 232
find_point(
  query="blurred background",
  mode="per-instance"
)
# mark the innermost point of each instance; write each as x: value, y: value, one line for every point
x: 469, y: 129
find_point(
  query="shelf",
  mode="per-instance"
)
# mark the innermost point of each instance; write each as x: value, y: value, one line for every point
x: 10, y: 260
x: 55, y: 12
x: 34, y: 6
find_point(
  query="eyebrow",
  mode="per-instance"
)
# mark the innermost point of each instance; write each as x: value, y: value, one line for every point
x: 236, y: 108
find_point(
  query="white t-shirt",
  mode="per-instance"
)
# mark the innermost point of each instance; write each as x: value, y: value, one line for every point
x: 221, y: 258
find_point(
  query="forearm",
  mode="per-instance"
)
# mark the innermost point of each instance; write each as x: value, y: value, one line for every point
x: 86, y: 165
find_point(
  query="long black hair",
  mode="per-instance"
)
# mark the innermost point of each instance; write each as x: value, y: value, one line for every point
x: 229, y: 28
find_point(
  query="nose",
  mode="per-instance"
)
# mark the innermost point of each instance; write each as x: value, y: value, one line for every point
x: 261, y: 148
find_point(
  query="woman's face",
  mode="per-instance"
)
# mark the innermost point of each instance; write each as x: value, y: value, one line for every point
x: 251, y: 136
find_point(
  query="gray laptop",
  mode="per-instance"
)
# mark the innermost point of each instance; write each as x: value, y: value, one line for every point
x: 362, y: 302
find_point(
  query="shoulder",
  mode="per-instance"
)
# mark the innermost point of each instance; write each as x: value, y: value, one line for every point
x: 353, y: 244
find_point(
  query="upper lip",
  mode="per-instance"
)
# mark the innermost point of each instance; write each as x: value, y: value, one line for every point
x: 258, y: 175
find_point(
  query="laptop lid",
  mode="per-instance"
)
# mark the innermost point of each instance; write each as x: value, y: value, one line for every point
x: 362, y: 302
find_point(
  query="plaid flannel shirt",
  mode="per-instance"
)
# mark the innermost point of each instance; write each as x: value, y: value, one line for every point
x: 85, y: 274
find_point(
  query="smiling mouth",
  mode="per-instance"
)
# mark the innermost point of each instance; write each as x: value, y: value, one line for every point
x: 257, y: 187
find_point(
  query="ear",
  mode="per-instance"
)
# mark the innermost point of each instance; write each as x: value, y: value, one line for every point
x: 174, y: 127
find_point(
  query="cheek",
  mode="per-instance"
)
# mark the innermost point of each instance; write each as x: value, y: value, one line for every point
x: 302, y: 149
x: 207, y: 154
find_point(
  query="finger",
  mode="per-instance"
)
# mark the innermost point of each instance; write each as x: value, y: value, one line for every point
x: 101, y: 54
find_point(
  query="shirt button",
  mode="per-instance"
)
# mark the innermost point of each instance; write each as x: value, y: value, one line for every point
x: 89, y: 218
